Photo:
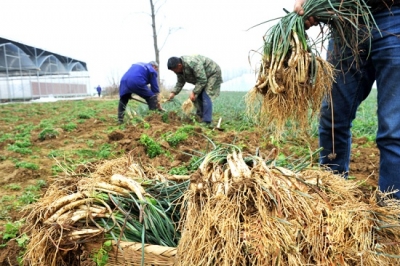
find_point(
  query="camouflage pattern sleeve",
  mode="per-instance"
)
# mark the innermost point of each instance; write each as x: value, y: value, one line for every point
x: 197, y: 65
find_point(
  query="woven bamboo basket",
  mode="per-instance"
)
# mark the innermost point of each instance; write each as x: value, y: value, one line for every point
x: 130, y: 254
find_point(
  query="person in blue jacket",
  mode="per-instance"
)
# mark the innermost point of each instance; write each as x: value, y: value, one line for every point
x: 136, y: 80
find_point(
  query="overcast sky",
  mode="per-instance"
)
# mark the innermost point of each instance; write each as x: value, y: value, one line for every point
x: 110, y: 35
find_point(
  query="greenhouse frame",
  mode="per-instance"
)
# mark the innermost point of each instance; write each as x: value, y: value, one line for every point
x: 27, y: 73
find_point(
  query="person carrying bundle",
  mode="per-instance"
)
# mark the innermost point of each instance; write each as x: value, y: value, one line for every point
x: 378, y: 61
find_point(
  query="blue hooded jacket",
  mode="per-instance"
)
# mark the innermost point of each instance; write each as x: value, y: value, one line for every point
x: 136, y: 79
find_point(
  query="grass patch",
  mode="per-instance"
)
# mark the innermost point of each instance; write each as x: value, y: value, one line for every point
x: 69, y: 127
x: 16, y: 148
x: 87, y: 114
x: 181, y: 170
x: 5, y: 136
x: 11, y: 230
x: 181, y: 134
x: 14, y: 187
x: 153, y: 148
x: 27, y: 165
x: 48, y: 133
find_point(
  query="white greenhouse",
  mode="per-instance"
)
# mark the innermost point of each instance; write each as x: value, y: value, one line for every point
x: 28, y: 72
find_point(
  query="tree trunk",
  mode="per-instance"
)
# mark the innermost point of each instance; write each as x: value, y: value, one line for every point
x: 153, y: 26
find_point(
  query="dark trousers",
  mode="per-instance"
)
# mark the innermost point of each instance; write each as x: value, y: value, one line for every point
x: 123, y: 102
x: 204, y: 107
x: 352, y: 86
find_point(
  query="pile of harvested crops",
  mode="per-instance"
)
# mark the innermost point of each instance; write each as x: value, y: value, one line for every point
x: 293, y: 78
x: 234, y: 210
x: 118, y: 201
x: 244, y: 212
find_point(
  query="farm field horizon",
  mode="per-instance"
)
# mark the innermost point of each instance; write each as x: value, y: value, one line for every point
x: 47, y: 141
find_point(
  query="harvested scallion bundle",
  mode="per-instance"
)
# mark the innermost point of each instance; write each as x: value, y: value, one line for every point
x: 128, y: 207
x: 293, y: 78
x: 239, y: 213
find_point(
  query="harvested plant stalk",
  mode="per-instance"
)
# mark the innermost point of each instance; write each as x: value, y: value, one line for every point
x: 237, y: 211
x: 107, y: 205
x: 293, y: 79
x: 257, y: 214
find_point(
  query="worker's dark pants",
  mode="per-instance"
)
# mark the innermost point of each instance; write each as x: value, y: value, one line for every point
x: 379, y: 59
x: 123, y: 102
x: 204, y: 107
x: 152, y: 102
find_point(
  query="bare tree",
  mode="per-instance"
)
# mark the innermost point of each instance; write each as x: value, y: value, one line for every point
x: 153, y: 26
x: 113, y: 89
x: 155, y: 6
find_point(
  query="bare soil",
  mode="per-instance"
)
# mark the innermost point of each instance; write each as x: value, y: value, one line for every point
x: 364, y: 162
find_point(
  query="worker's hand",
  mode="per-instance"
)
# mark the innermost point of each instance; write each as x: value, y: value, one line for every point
x: 192, y: 96
x: 298, y: 8
x: 310, y: 21
x: 159, y: 107
x: 171, y: 96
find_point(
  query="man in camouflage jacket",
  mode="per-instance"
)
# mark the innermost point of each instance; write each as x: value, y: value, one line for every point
x: 205, y: 74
